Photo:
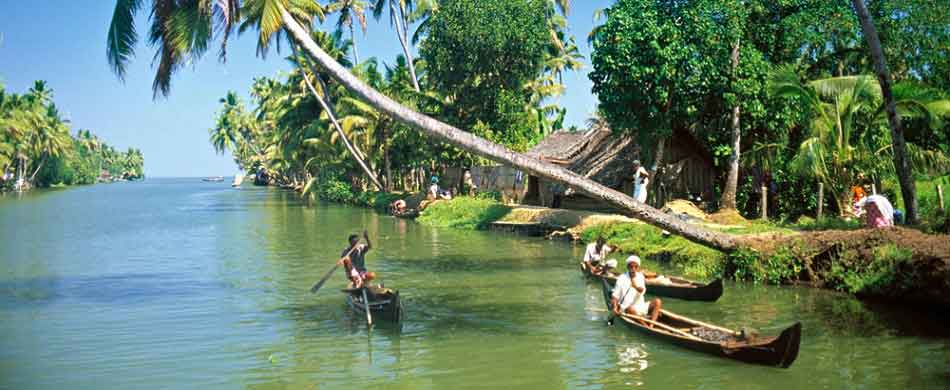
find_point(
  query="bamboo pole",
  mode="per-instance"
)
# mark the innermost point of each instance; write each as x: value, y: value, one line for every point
x: 699, y: 323
x: 661, y: 325
x: 821, y: 198
x: 940, y: 197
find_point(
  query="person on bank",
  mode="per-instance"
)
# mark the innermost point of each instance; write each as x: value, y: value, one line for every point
x: 595, y: 255
x: 641, y: 179
x: 627, y: 296
x: 354, y: 260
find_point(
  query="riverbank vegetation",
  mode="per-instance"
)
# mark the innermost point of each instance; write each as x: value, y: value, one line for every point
x: 289, y: 137
x: 37, y: 149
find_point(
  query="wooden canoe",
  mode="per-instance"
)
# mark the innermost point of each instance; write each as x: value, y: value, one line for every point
x: 699, y: 336
x: 679, y: 288
x: 407, y: 213
x: 384, y: 303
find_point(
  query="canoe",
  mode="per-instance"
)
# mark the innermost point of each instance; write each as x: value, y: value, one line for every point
x: 677, y: 288
x: 384, y: 303
x: 407, y: 213
x: 699, y: 336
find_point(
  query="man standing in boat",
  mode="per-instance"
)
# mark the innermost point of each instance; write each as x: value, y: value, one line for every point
x: 628, y: 293
x: 354, y: 259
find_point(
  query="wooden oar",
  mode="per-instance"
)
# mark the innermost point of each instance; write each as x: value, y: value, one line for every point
x: 699, y: 323
x: 661, y: 325
x: 330, y: 272
x: 369, y: 318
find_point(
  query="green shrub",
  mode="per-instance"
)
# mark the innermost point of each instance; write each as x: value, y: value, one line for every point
x: 463, y: 213
x: 878, y: 276
x: 649, y: 242
x: 334, y: 190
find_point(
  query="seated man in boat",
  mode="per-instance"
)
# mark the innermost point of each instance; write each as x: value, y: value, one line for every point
x: 398, y: 206
x: 354, y: 260
x: 596, y: 254
x: 628, y: 293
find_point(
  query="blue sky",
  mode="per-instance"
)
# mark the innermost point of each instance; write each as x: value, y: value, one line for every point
x: 63, y: 42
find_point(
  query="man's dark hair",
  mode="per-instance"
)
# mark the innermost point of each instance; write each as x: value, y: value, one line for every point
x: 352, y: 237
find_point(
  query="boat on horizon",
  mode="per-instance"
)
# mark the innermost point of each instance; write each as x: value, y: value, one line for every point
x: 213, y: 178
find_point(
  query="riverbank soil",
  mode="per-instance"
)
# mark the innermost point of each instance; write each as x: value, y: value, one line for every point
x: 893, y: 263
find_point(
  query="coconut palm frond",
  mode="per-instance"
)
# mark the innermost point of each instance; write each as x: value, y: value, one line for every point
x: 120, y: 43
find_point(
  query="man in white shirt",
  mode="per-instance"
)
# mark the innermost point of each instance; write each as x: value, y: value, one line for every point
x: 628, y: 293
x: 595, y: 254
x: 641, y: 179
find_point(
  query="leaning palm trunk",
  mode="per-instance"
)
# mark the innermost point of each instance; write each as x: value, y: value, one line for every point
x: 728, y: 199
x: 324, y: 101
x: 498, y: 153
x: 349, y: 147
x: 904, y: 174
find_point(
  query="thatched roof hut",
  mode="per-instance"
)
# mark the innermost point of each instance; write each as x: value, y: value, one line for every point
x: 608, y: 158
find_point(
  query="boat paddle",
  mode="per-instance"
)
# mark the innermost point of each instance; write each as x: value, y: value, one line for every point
x: 330, y: 272
x: 369, y: 317
x: 611, y: 316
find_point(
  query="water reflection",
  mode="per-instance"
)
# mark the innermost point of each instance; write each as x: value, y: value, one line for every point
x: 632, y: 358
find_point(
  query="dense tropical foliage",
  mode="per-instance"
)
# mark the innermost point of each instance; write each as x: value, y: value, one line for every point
x: 287, y: 135
x: 37, y: 149
x: 811, y: 108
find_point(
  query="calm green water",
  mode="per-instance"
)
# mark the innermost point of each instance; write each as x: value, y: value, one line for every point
x: 184, y: 284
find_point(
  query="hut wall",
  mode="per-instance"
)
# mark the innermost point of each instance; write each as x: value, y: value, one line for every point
x: 509, y: 181
x: 698, y: 176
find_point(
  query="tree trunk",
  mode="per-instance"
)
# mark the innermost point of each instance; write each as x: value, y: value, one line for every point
x: 474, y: 144
x: 324, y: 103
x: 37, y: 170
x: 387, y: 168
x: 356, y: 52
x: 654, y: 183
x: 404, y: 41
x: 901, y: 163
x: 728, y: 200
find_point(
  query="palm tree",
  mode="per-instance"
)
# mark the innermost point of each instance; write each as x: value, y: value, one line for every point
x: 350, y: 10
x: 122, y: 27
x: 904, y: 173
x: 400, y: 12
x: 844, y: 141
x: 50, y: 139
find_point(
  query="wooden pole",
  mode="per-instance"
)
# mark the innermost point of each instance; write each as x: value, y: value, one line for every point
x: 765, y: 203
x: 940, y: 197
x: 821, y: 198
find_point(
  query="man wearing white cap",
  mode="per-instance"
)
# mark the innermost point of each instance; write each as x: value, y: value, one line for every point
x: 628, y: 293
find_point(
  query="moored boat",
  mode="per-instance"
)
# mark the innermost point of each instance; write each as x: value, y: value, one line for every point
x: 384, y: 303
x: 671, y: 286
x: 407, y: 213
x: 699, y: 336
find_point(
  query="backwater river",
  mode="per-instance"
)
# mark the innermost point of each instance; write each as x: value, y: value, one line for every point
x: 177, y: 283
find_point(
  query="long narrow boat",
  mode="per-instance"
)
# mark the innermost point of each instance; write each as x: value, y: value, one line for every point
x: 407, y: 213
x: 699, y: 336
x: 384, y: 303
x: 676, y: 288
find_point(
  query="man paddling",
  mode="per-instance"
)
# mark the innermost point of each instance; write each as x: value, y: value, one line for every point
x: 628, y: 293
x: 354, y: 260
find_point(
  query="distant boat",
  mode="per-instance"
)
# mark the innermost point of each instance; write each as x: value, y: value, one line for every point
x: 213, y: 178
x: 238, y: 179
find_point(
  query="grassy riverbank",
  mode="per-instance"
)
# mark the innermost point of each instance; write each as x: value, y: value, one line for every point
x: 897, y: 263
